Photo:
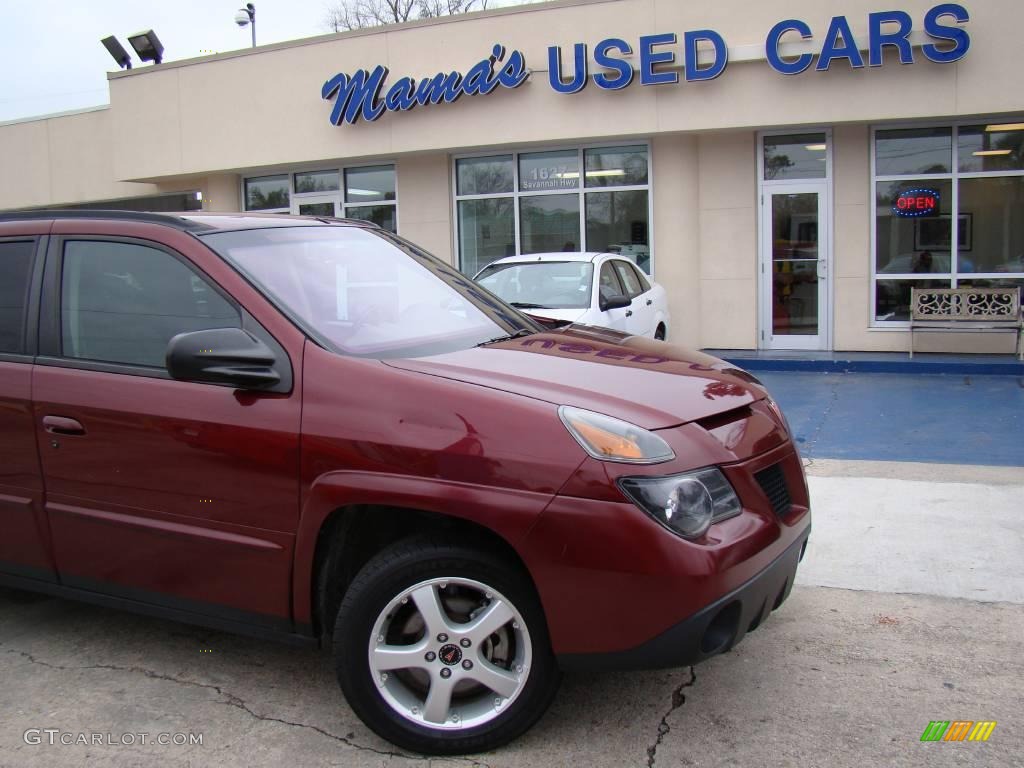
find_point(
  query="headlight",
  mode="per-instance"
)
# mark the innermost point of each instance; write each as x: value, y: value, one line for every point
x: 609, y: 439
x: 686, y: 504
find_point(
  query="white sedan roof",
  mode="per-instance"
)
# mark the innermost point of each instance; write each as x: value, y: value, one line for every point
x: 554, y: 256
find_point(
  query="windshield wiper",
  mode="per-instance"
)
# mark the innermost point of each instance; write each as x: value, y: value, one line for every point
x: 528, y: 305
x: 517, y: 335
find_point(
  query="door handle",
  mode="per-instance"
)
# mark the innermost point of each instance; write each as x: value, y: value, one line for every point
x: 822, y: 269
x: 629, y: 313
x: 649, y: 302
x: 61, y: 425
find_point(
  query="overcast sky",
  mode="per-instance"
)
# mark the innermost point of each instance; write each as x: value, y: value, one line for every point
x: 51, y: 58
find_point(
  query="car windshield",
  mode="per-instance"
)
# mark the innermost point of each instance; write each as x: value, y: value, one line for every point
x: 366, y: 293
x: 541, y: 284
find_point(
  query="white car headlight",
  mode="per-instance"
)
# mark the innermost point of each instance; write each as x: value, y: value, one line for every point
x: 686, y: 504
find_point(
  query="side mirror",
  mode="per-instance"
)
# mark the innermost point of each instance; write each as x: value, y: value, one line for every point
x: 222, y: 356
x: 613, y: 302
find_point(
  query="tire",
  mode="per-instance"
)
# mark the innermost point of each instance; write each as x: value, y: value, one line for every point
x: 659, y: 333
x: 388, y: 619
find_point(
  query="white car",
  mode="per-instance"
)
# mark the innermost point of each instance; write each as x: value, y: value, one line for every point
x: 602, y: 289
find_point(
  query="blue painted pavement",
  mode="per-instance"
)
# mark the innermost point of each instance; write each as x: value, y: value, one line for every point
x: 949, y: 419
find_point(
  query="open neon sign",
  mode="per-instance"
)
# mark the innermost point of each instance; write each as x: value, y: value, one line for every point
x: 915, y: 203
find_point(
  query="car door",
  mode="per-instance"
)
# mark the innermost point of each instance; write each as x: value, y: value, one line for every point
x: 609, y: 285
x: 177, y: 494
x: 641, y: 322
x: 24, y: 538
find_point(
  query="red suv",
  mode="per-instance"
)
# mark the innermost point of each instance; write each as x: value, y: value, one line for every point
x: 311, y: 430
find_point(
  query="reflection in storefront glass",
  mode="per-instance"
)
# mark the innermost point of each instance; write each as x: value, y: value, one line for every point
x: 381, y: 215
x: 616, y: 166
x: 913, y: 151
x: 991, y: 148
x: 484, y: 175
x: 911, y: 244
x: 486, y: 232
x: 799, y: 156
x: 892, y: 297
x: 549, y: 223
x: 266, y: 192
x: 317, y: 181
x: 992, y: 225
x: 316, y: 209
x: 369, y: 185
x: 617, y: 222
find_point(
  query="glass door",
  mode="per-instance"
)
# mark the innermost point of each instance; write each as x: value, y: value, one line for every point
x: 794, y: 266
x: 317, y: 205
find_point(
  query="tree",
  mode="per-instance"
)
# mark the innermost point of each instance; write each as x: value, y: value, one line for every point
x: 344, y: 15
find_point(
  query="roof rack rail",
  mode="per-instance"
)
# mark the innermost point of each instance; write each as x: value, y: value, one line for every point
x: 167, y: 219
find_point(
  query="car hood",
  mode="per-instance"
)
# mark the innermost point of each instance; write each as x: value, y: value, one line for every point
x: 562, y: 315
x: 649, y: 383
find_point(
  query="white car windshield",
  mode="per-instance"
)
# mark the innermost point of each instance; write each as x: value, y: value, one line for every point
x: 367, y: 293
x: 541, y: 284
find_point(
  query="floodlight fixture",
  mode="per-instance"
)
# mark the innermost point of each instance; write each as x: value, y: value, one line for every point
x: 115, y: 49
x: 148, y: 46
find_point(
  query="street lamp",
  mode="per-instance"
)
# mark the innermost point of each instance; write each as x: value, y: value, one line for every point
x: 245, y: 16
x: 147, y: 46
x: 117, y: 50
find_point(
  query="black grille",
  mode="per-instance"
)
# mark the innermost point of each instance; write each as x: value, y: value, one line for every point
x: 773, y: 483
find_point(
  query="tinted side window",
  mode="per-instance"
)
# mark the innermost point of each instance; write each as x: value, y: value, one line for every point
x: 15, y: 275
x: 609, y: 285
x: 122, y: 303
x: 629, y: 279
x: 641, y: 278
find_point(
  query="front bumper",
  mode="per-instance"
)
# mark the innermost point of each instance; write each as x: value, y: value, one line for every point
x: 712, y: 630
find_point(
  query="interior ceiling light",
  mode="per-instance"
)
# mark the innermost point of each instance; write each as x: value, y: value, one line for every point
x: 148, y: 46
x: 816, y: 147
x: 1005, y: 127
x: 991, y: 152
x: 615, y: 172
x: 115, y: 49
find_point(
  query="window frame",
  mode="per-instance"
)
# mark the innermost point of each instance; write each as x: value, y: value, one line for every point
x: 30, y: 309
x: 338, y: 195
x: 51, y: 350
x: 516, y: 194
x: 954, y: 176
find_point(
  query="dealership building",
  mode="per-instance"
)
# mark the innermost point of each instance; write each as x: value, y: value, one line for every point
x: 787, y: 169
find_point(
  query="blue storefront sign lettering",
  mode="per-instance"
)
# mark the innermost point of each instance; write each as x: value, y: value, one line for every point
x: 367, y: 94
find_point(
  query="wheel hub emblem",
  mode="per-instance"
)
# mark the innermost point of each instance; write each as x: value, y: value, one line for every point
x: 450, y: 655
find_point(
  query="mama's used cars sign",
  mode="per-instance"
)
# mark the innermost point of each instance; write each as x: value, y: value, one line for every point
x: 367, y: 94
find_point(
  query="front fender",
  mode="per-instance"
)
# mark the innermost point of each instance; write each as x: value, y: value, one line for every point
x: 506, y: 512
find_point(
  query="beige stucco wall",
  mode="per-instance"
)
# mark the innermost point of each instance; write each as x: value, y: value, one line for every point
x: 64, y: 159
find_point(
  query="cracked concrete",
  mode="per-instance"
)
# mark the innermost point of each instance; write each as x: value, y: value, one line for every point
x: 678, y: 699
x: 846, y: 674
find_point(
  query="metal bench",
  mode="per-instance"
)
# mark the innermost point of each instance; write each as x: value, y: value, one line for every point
x: 966, y: 309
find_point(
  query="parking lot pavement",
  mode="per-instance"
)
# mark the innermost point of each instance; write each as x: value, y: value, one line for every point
x: 950, y: 419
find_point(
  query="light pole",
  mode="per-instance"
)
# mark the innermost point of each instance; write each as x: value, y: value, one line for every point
x: 245, y: 16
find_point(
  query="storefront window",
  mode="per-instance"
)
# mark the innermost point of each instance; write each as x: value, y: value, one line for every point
x: 616, y: 166
x: 991, y: 148
x: 798, y: 156
x: 369, y: 193
x: 913, y: 151
x: 486, y: 232
x: 266, y: 192
x: 618, y: 222
x: 549, y: 223
x: 369, y: 185
x: 532, y: 202
x: 485, y: 175
x: 962, y: 228
x: 317, y: 181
